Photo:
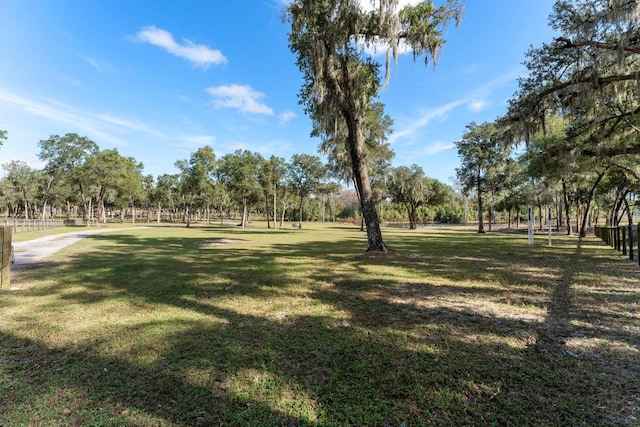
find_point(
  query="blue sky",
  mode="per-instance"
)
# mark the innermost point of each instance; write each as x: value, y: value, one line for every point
x: 159, y: 79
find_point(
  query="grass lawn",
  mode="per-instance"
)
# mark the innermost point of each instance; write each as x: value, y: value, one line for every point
x: 218, y: 326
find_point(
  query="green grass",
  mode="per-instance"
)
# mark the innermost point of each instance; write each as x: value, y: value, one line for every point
x: 169, y: 326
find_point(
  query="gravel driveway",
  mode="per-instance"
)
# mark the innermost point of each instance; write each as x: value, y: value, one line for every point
x: 37, y: 250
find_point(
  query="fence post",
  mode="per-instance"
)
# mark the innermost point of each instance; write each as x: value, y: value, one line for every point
x: 630, y: 242
x: 5, y: 257
x: 619, y: 233
x: 624, y: 240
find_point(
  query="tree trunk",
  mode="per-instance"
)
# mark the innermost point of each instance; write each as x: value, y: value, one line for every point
x: 617, y: 216
x: 26, y: 207
x: 583, y: 228
x: 266, y: 208
x: 567, y: 206
x: 480, y: 219
x: 275, y: 205
x: 629, y: 212
x: 411, y: 210
x: 284, y: 211
x: 355, y: 145
x: 243, y: 222
x: 99, y: 207
x: 540, y: 216
x: 300, y: 214
x: 619, y: 220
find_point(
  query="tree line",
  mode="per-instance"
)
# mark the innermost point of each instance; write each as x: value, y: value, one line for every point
x: 80, y: 180
x: 570, y: 137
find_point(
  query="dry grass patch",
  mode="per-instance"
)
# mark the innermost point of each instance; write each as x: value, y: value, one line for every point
x: 221, y: 241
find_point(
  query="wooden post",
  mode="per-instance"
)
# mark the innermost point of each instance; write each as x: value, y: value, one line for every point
x: 612, y: 240
x: 5, y: 257
x: 623, y: 241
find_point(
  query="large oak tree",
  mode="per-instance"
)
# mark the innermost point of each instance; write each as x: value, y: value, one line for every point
x: 341, y: 78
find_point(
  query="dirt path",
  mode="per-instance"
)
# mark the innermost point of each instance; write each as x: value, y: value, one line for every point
x: 34, y: 251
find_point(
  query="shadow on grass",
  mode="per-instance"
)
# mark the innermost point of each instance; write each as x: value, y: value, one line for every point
x: 419, y: 337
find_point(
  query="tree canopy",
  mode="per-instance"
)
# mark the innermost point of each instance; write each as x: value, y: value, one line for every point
x: 587, y: 78
x: 412, y: 189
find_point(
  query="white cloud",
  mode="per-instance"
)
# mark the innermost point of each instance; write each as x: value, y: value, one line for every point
x: 437, y: 147
x: 475, y: 100
x: 243, y: 98
x: 478, y: 105
x: 54, y: 111
x: 129, y: 125
x: 101, y: 66
x: 424, y: 119
x: 198, y: 54
x: 101, y: 127
x: 287, y: 116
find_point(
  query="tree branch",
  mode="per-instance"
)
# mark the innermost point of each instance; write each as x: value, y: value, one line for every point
x: 588, y: 79
x: 570, y: 44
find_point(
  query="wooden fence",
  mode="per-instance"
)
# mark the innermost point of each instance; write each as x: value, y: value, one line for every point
x: 25, y: 225
x: 623, y: 239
